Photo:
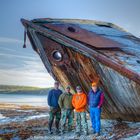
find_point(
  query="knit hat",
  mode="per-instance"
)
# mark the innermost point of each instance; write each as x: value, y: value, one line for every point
x: 56, y: 83
x: 68, y: 87
x: 78, y: 88
x: 94, y: 84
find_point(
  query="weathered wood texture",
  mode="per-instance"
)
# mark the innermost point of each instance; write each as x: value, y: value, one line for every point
x: 118, y: 69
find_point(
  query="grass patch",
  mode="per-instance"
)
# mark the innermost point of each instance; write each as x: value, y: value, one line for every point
x: 13, y: 88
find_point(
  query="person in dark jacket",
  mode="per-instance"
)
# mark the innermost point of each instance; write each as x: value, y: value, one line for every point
x: 95, y: 101
x: 65, y: 103
x: 55, y: 111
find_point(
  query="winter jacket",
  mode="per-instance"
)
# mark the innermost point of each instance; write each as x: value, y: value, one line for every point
x: 65, y: 101
x: 53, y: 97
x: 95, y: 99
x: 79, y: 101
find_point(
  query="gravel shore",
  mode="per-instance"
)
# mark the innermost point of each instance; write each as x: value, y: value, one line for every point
x: 30, y: 123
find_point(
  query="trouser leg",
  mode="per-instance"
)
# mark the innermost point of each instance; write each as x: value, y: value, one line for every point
x: 78, y: 122
x: 57, y: 119
x: 70, y: 119
x: 97, y: 120
x: 63, y: 120
x: 51, y: 119
x: 84, y: 122
x: 92, y: 117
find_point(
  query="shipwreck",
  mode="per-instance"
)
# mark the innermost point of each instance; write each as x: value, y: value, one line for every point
x: 76, y: 52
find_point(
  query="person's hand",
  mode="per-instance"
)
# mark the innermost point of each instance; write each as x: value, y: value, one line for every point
x: 98, y: 107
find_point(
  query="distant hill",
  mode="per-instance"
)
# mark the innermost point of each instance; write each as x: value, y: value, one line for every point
x: 22, y: 89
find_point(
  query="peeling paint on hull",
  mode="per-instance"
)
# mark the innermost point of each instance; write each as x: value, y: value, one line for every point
x: 117, y: 67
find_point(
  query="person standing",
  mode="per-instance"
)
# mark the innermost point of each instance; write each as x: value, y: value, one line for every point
x: 95, y: 101
x: 65, y: 103
x: 55, y: 111
x: 79, y: 101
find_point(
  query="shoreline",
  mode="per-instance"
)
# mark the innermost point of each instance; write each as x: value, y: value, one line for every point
x: 25, y: 122
x: 17, y: 106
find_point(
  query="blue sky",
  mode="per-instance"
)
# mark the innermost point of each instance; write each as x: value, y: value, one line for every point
x: 20, y: 66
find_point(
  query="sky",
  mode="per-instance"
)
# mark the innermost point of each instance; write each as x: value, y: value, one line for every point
x: 20, y: 66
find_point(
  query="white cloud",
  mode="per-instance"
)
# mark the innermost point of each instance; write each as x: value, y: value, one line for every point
x: 13, y: 40
x: 18, y: 56
x: 28, y: 78
x: 10, y: 40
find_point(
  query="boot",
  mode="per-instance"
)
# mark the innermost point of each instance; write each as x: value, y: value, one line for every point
x: 85, y: 133
x: 50, y: 132
x: 62, y: 129
x: 50, y: 127
x: 62, y: 132
x: 57, y: 127
x: 97, y: 134
x: 57, y: 131
x: 69, y: 128
x: 77, y: 134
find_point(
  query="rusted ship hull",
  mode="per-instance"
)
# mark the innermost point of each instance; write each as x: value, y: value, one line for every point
x: 76, y: 52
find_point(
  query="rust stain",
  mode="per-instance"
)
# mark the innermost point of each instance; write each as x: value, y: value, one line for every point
x: 82, y: 35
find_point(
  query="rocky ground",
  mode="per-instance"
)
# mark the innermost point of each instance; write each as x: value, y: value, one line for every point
x: 30, y: 123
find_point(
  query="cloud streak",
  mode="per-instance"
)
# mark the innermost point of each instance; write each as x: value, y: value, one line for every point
x: 27, y: 78
x: 31, y: 73
x: 13, y: 40
x: 10, y: 40
x: 18, y: 56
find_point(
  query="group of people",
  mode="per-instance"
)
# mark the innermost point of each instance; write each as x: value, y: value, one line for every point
x: 64, y: 106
